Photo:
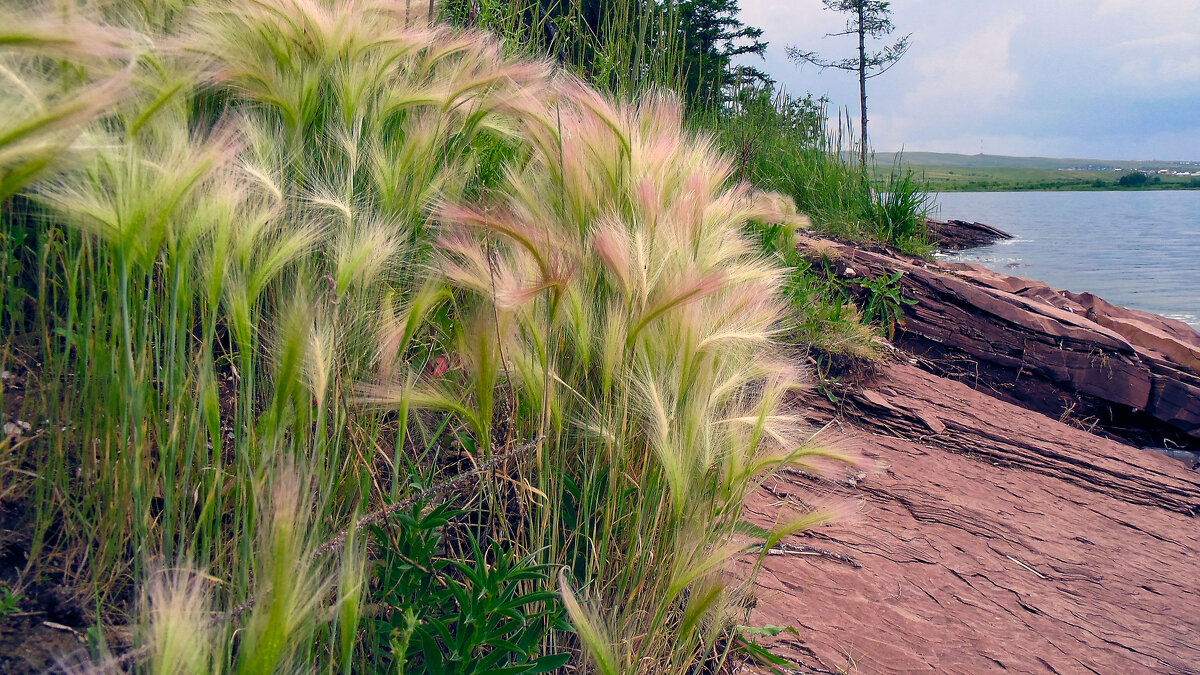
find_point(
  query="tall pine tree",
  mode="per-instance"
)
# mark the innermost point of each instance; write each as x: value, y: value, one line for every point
x: 713, y: 36
x: 867, y: 19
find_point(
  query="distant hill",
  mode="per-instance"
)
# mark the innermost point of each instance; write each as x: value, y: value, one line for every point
x: 1051, y: 163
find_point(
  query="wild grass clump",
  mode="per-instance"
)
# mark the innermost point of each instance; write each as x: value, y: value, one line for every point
x: 613, y: 291
x: 823, y: 315
x: 300, y: 260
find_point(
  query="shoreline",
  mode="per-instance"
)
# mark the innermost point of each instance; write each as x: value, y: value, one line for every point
x: 1135, y: 373
x: 1132, y: 250
x: 993, y: 533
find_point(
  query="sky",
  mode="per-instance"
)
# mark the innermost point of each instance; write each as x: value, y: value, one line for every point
x: 1102, y: 79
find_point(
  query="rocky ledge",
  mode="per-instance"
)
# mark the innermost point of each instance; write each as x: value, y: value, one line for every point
x: 955, y: 235
x: 1120, y: 372
x: 1005, y: 518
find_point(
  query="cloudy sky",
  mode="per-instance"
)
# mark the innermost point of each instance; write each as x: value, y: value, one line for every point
x: 1106, y: 79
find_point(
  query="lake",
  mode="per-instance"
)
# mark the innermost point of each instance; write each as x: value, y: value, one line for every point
x: 1138, y: 249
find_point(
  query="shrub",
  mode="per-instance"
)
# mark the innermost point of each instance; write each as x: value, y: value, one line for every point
x: 1133, y: 179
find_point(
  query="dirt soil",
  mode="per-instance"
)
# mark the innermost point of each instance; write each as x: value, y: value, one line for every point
x: 47, y: 628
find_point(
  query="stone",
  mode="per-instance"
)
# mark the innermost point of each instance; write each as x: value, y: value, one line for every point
x: 1012, y: 542
x: 954, y: 235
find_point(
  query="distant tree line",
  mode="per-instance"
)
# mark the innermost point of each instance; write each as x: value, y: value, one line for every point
x: 1134, y: 179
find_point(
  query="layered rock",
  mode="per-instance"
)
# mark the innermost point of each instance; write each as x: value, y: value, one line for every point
x: 1129, y: 374
x: 956, y: 235
x: 991, y: 532
x: 988, y: 538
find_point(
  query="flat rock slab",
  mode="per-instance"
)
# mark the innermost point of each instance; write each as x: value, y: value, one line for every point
x: 994, y: 539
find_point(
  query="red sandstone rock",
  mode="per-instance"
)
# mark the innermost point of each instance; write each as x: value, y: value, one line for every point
x: 1136, y: 375
x: 995, y: 539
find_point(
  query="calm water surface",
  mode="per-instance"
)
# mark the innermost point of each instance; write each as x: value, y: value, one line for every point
x: 1138, y: 249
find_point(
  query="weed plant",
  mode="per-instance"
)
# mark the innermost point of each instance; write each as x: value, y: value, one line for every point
x: 298, y: 260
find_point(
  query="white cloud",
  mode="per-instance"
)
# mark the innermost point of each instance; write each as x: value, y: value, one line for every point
x: 1161, y: 59
x: 971, y: 72
x: 1179, y: 40
x: 1114, y: 78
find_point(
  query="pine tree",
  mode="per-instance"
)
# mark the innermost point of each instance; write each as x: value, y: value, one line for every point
x: 868, y: 19
x: 713, y: 36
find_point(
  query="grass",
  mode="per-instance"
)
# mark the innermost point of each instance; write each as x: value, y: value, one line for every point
x: 296, y: 261
x: 788, y: 145
x: 620, y: 48
x: 638, y: 328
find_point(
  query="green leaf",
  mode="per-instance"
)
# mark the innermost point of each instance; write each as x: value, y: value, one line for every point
x: 760, y: 654
x: 549, y: 663
x: 510, y: 670
x: 768, y: 630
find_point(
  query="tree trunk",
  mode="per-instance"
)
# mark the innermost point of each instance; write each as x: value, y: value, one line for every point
x: 862, y: 81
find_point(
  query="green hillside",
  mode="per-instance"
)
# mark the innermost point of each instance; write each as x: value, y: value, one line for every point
x: 993, y: 173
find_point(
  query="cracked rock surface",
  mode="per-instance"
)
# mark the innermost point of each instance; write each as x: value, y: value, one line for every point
x: 986, y: 538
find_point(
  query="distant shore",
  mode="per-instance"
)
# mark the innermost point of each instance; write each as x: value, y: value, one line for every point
x: 970, y: 187
x: 1015, y: 179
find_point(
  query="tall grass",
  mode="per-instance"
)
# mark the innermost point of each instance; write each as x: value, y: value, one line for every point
x: 301, y: 259
x: 621, y: 47
x: 252, y: 246
x: 792, y: 145
x: 616, y: 291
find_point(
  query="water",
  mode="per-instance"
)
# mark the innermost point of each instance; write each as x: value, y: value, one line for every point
x: 1138, y: 249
